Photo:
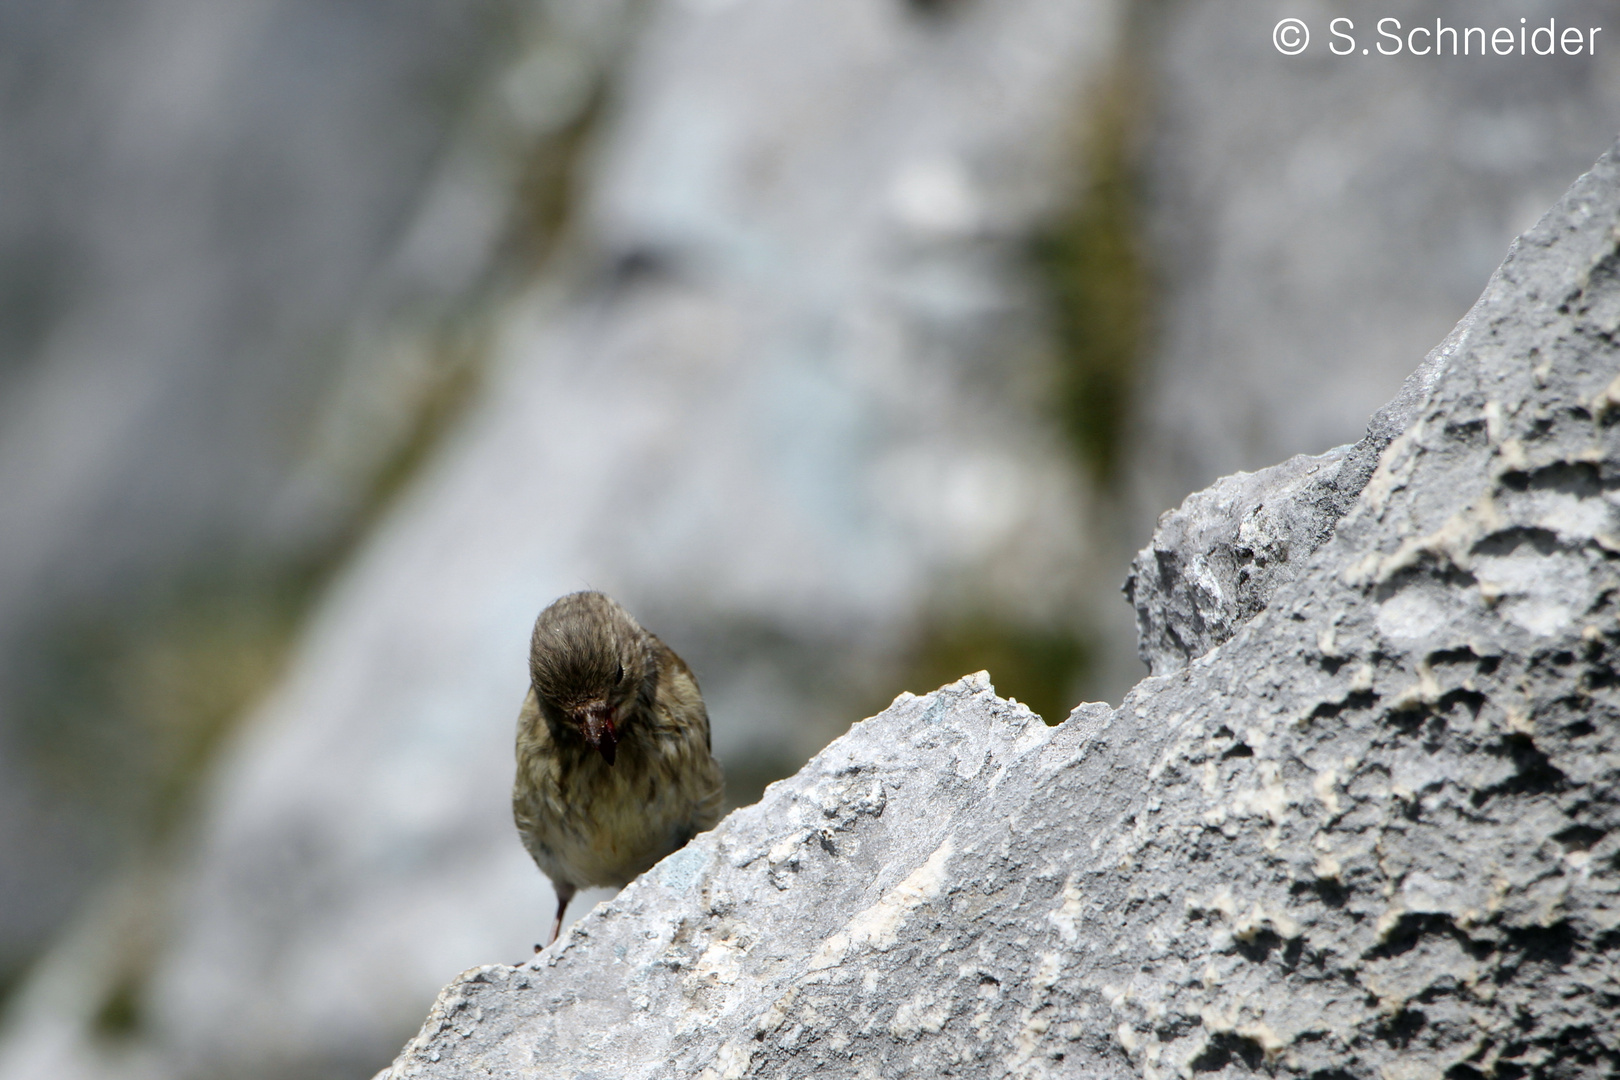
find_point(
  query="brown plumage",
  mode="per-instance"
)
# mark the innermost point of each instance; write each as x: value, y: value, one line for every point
x: 613, y: 764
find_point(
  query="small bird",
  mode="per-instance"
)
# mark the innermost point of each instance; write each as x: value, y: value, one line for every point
x: 614, y: 769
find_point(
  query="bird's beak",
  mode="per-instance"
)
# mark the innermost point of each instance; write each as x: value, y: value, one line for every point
x: 597, y: 727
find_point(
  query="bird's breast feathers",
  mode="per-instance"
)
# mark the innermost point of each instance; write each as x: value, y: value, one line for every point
x: 594, y: 824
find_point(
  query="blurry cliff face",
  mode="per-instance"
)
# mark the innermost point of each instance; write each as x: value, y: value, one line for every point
x: 774, y: 395
x: 193, y: 199
x: 772, y: 384
x: 810, y: 330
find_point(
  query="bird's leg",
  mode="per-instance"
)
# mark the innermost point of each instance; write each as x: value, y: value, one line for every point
x: 565, y: 893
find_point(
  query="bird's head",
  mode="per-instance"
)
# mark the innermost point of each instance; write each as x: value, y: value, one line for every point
x: 590, y: 665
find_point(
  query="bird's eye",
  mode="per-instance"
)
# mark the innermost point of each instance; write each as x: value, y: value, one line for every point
x: 618, y: 675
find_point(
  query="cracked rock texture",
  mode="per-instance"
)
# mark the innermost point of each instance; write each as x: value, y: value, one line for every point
x: 1214, y: 561
x: 1374, y: 835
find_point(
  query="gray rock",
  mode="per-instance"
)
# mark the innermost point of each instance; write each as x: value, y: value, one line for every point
x: 197, y: 196
x: 1375, y: 834
x: 1215, y: 561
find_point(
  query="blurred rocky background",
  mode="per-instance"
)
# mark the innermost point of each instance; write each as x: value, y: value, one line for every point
x: 853, y: 344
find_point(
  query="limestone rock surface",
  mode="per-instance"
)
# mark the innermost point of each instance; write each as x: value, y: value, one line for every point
x: 1374, y: 834
x: 1214, y: 561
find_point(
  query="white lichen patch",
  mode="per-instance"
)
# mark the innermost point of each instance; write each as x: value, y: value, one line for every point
x: 989, y: 993
x: 1607, y: 399
x: 1394, y: 469
x: 1217, y: 1020
x: 1387, y: 922
x: 1426, y: 691
x: 1067, y: 915
x: 1262, y: 1036
x: 1573, y: 518
x: 1423, y: 892
x: 1541, y: 593
x: 1047, y: 971
x: 721, y: 962
x: 1543, y: 618
x: 1448, y: 545
x: 1516, y: 719
x: 730, y: 1063
x: 923, y: 1013
x: 1413, y: 614
x: 1034, y: 1023
x: 784, y: 854
x: 1325, y: 786
x: 1221, y: 900
x: 971, y: 761
x: 876, y: 927
x: 772, y: 1018
x: 1327, y: 643
x: 1259, y: 919
x: 1268, y: 799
